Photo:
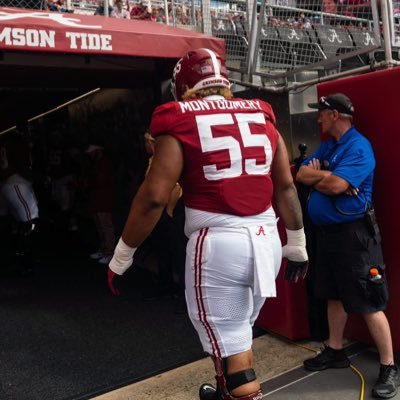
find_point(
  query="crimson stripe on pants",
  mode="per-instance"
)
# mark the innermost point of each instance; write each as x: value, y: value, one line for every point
x: 24, y: 203
x: 199, y: 294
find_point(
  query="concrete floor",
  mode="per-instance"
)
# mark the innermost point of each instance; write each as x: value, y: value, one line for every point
x: 273, y: 357
x: 354, y: 383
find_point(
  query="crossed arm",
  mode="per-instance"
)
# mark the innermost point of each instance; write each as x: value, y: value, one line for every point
x: 323, y: 181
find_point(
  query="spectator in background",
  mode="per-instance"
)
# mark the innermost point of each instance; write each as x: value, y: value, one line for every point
x: 100, y: 8
x: 329, y: 6
x: 102, y: 188
x: 161, y: 15
x: 119, y: 11
x: 357, y: 8
x: 18, y: 194
x: 181, y: 17
x: 57, y: 6
x: 62, y: 7
x: 333, y: 7
x: 141, y: 10
x: 51, y: 5
x: 155, y: 14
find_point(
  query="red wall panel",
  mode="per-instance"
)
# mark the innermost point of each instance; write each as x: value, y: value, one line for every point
x: 286, y: 314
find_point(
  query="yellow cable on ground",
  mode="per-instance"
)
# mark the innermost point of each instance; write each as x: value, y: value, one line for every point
x: 285, y: 339
x: 304, y: 346
x: 362, y: 390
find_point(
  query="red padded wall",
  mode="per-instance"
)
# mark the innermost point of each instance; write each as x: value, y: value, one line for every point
x: 376, y: 99
x: 286, y: 314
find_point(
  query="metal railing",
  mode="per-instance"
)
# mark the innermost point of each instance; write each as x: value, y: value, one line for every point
x: 31, y: 4
x: 291, y: 40
x: 309, y: 40
x: 274, y: 41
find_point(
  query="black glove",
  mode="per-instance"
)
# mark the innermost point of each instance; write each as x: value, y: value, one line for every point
x: 114, y: 281
x: 295, y: 270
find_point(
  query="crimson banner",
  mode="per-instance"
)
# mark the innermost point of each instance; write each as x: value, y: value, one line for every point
x: 33, y: 30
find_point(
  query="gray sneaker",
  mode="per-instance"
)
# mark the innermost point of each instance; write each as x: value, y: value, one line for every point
x: 387, y: 383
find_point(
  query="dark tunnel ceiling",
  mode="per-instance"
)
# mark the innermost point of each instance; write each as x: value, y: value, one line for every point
x: 29, y: 89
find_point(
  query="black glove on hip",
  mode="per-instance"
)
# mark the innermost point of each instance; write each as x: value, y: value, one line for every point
x: 296, y: 270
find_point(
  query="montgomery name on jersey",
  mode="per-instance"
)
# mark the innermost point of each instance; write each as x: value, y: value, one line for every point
x: 229, y: 146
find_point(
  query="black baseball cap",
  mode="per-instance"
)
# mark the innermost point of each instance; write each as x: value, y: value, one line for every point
x: 336, y: 101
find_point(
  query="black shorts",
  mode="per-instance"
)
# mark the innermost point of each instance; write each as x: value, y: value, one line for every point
x: 344, y: 255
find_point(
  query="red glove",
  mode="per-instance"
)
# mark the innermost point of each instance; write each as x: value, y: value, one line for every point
x: 120, y: 262
x: 113, y: 280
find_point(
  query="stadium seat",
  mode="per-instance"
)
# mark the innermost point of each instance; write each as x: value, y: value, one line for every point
x: 274, y: 53
x: 336, y: 41
x: 302, y: 49
x: 235, y: 42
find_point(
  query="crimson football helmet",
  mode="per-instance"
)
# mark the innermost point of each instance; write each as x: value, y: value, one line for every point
x: 198, y: 69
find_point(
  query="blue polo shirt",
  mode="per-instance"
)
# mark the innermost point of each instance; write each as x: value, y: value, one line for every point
x: 351, y: 158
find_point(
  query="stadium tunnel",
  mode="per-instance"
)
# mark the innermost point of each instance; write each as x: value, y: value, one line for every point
x: 79, y: 80
x: 52, y: 57
x: 36, y: 84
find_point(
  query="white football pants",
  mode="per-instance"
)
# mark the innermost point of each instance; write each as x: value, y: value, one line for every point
x: 229, y: 274
x: 20, y: 197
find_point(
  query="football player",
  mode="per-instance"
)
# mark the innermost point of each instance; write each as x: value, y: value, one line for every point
x: 230, y: 160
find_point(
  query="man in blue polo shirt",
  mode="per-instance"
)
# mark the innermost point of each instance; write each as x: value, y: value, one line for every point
x: 349, y: 266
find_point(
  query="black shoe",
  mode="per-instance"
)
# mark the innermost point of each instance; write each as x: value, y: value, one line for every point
x: 208, y: 392
x: 387, y: 383
x: 328, y: 358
